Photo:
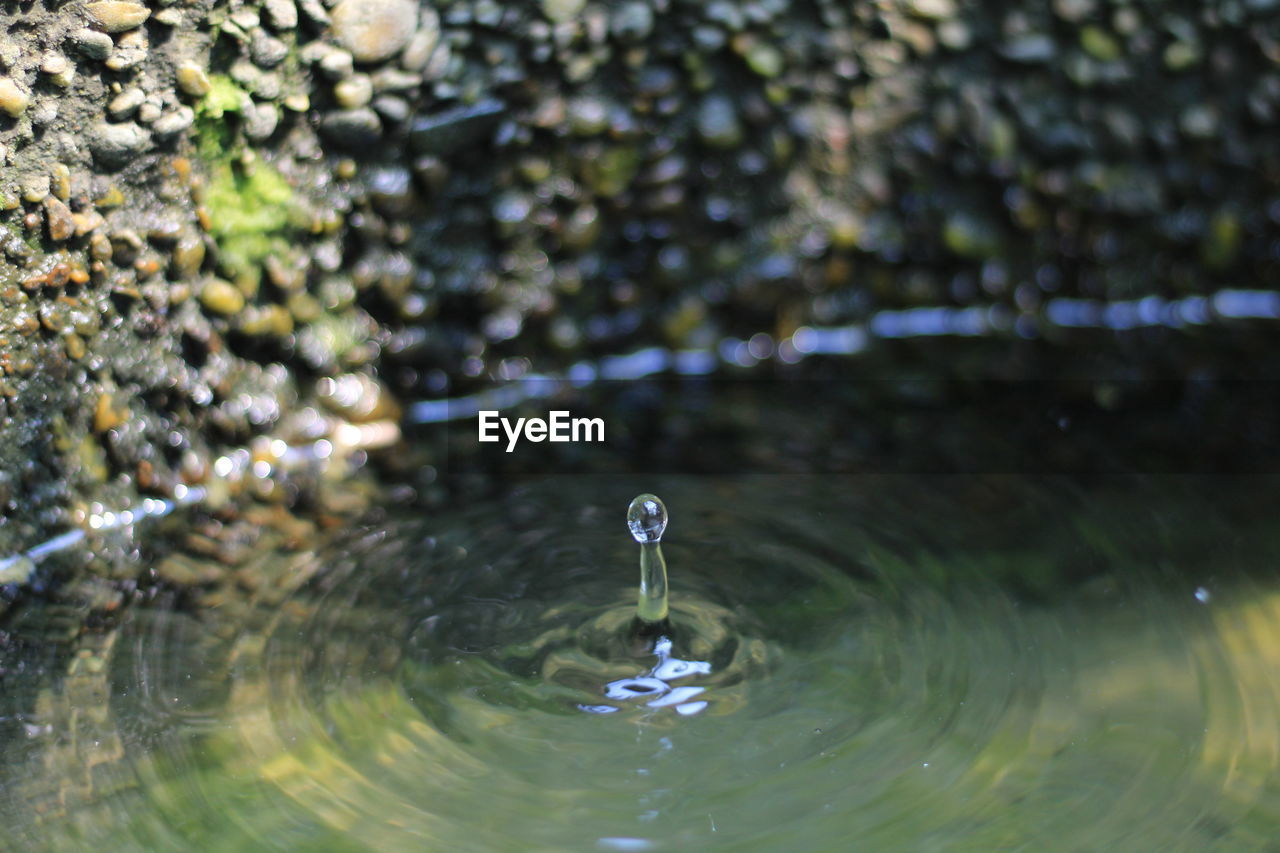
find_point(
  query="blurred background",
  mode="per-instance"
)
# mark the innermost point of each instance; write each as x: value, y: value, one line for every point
x: 230, y: 227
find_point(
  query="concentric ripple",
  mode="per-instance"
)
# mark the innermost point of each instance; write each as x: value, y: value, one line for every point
x: 887, y: 662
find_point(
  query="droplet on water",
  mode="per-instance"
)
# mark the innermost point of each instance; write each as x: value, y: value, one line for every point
x: 647, y: 519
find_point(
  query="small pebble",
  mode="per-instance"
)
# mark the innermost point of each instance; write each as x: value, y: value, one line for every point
x: 246, y: 19
x: 267, y: 51
x: 1199, y: 121
x: 718, y: 122
x: 337, y: 64
x: 60, y: 70
x: 955, y: 34
x: 115, y: 145
x: 192, y: 79
x: 1099, y: 44
x: 131, y: 49
x: 281, y: 14
x: 352, y: 129
x: 763, y: 58
x: 374, y: 30
x: 418, y: 51
x: 13, y: 100
x: 727, y: 14
x: 60, y: 181
x: 87, y: 222
x: 632, y: 21
x: 92, y: 43
x: 54, y: 63
x: 588, y: 116
x: 171, y: 124
x: 394, y: 80
x: 561, y: 11
x: 1179, y: 56
x: 110, y: 198
x: 171, y: 17
x: 315, y: 12
x: 75, y: 346
x: 44, y: 113
x: 269, y: 320
x: 260, y: 121
x: 116, y: 16
x: 221, y: 297
x: 1073, y: 11
x: 57, y: 217
x: 188, y: 254
x: 933, y: 10
x: 1032, y: 49
x: 35, y: 187
x: 355, y: 91
x: 391, y: 108
x: 125, y: 104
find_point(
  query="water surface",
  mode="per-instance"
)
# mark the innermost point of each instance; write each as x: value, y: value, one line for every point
x: 910, y: 662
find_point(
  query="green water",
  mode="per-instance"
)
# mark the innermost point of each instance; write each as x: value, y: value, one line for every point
x: 893, y: 662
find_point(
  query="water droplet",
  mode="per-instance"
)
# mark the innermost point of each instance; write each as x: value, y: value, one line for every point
x: 647, y: 519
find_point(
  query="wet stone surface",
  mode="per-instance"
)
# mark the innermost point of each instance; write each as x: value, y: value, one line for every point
x: 573, y: 180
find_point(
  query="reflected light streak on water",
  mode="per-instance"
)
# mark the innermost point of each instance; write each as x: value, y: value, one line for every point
x: 855, y: 338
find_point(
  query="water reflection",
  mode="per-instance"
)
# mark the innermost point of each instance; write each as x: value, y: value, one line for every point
x: 907, y: 661
x: 655, y: 688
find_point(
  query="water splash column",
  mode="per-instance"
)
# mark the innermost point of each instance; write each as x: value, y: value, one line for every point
x: 647, y: 520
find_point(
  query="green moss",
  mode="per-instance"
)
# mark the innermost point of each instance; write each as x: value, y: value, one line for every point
x: 1221, y: 244
x: 1099, y: 44
x: 613, y: 171
x: 971, y: 236
x: 214, y: 126
x: 248, y: 215
x: 249, y: 202
x: 223, y: 97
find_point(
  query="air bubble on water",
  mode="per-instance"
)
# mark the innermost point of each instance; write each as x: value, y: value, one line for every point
x: 647, y: 519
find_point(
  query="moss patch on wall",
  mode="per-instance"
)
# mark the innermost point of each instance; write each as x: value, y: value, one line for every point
x: 248, y: 201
